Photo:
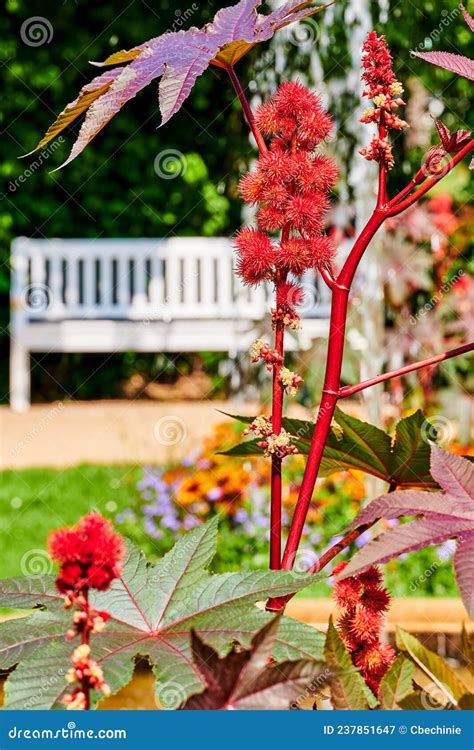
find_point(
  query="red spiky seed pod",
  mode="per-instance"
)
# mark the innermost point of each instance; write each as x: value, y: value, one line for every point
x: 255, y: 255
x: 362, y: 600
x: 306, y: 212
x: 90, y: 554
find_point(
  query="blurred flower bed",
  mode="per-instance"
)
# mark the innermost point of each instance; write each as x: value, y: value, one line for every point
x: 175, y: 499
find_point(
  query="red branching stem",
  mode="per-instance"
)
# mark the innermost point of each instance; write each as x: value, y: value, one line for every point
x: 327, y: 276
x: 276, y: 480
x: 262, y: 146
x: 275, y: 605
x: 403, y: 193
x: 85, y: 640
x: 352, y: 389
x: 331, y: 389
x: 332, y: 384
x: 397, y: 207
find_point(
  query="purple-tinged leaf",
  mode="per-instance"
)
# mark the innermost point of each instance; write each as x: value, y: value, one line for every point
x: 464, y: 568
x: 246, y: 679
x: 445, y: 515
x: 469, y: 19
x: 459, y: 64
x: 453, y: 473
x: 452, y: 142
x: 178, y: 58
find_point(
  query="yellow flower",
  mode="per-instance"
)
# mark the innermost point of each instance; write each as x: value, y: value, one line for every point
x: 194, y: 488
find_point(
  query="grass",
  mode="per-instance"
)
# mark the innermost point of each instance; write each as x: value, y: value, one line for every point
x: 34, y: 501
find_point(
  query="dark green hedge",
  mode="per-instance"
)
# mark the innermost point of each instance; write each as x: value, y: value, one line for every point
x: 112, y: 190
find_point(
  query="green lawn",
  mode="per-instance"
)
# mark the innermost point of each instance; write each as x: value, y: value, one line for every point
x: 34, y: 501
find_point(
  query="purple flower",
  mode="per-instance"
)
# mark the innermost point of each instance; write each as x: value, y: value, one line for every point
x: 363, y: 539
x: 214, y: 494
x: 190, y: 522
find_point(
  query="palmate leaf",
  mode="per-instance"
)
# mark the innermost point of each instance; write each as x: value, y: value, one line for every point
x: 403, y: 461
x: 246, y: 679
x: 444, y: 515
x: 153, y: 610
x: 459, y: 64
x: 178, y: 58
x: 396, y: 684
x: 442, y: 679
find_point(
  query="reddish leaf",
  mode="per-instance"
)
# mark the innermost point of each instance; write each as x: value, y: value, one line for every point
x: 445, y: 515
x: 178, y: 58
x: 247, y: 679
x: 469, y: 19
x: 452, y: 142
x: 459, y: 64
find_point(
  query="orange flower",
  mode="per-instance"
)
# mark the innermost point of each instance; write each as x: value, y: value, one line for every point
x: 194, y: 488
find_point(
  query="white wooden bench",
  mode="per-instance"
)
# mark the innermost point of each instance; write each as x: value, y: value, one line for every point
x: 147, y: 295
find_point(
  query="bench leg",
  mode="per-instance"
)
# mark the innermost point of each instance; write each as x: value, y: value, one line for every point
x: 20, y: 377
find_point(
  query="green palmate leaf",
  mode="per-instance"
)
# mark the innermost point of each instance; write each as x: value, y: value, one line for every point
x: 403, y: 461
x: 443, y: 679
x: 396, y: 684
x: 246, y: 679
x: 153, y: 609
x: 348, y: 689
x: 418, y: 701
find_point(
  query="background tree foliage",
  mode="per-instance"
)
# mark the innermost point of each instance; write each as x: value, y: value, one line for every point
x: 113, y: 190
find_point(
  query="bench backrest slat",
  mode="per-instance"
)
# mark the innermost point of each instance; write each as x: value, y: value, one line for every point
x: 139, y: 279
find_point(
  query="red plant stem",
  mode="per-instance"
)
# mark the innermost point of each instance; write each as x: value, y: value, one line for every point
x: 382, y: 193
x: 327, y: 276
x: 396, y: 207
x: 275, y: 605
x: 350, y: 390
x: 85, y: 640
x: 332, y: 384
x: 262, y: 146
x: 276, y: 481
